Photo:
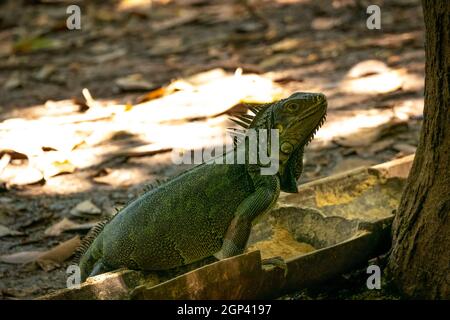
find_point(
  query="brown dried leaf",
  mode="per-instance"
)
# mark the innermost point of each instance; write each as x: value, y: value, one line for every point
x: 6, y: 48
x: 4, y: 161
x: 29, y: 175
x: 59, y: 227
x: 85, y: 208
x: 83, y: 226
x: 134, y: 82
x: 141, y: 7
x: 21, y: 257
x: 154, y: 94
x: 288, y: 44
x: 57, y: 167
x: 326, y: 23
x: 220, y: 94
x: 366, y: 68
x: 53, y: 257
x: 184, y: 17
x: 372, y: 77
x: 45, y: 72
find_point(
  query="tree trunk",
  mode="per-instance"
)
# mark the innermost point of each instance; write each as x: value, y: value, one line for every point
x: 419, y: 263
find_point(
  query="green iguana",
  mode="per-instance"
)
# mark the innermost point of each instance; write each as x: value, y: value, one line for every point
x: 209, y: 209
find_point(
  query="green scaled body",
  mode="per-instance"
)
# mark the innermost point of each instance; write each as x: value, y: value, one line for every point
x: 209, y: 209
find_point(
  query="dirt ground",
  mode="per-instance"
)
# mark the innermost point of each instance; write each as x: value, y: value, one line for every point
x: 80, y: 109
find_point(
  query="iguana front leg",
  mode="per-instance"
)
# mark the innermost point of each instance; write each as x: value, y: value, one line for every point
x: 265, y: 195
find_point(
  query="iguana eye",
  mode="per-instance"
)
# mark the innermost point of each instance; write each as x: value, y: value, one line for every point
x: 286, y: 147
x: 292, y: 106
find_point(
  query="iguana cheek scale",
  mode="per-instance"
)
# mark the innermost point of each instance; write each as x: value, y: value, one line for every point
x: 207, y: 210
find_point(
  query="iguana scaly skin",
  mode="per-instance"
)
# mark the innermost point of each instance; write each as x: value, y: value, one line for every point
x: 208, y: 210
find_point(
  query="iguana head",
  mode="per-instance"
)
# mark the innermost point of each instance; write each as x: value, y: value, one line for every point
x: 297, y: 118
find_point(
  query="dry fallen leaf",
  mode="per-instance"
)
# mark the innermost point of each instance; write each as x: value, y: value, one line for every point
x: 128, y: 107
x: 120, y: 177
x: 6, y: 48
x: 83, y: 226
x: 182, y: 17
x: 287, y: 44
x: 134, y: 82
x: 21, y: 257
x: 13, y: 82
x: 53, y: 257
x: 326, y: 23
x: 367, y: 67
x: 68, y: 225
x: 45, y: 72
x: 85, y: 208
x: 154, y: 94
x: 4, y: 161
x: 47, y: 260
x: 5, y: 231
x: 57, y: 167
x: 108, y: 57
x: 59, y: 227
x: 372, y: 77
x: 135, y: 6
x: 207, y: 99
x: 29, y: 175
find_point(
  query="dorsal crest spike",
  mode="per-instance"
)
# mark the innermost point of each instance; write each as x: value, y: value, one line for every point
x: 89, y: 238
x: 254, y: 110
x: 244, y: 119
x: 240, y: 123
x: 236, y: 133
x: 247, y: 116
x: 153, y: 185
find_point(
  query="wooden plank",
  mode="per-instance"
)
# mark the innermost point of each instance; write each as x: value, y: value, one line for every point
x: 235, y: 278
x: 108, y: 286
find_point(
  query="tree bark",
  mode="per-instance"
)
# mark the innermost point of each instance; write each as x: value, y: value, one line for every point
x: 419, y: 262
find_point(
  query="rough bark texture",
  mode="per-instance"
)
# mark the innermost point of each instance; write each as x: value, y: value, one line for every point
x: 420, y: 256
